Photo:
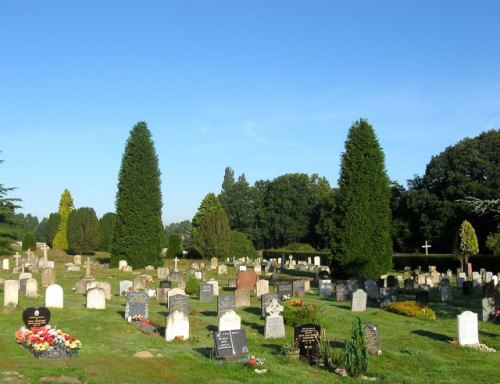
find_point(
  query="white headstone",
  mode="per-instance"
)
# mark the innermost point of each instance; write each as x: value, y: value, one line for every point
x: 50, y: 264
x: 467, y: 328
x: 175, y: 291
x: 359, y: 301
x: 77, y: 259
x: 125, y: 286
x: 275, y: 327
x: 5, y: 264
x: 262, y: 287
x: 222, y: 269
x: 177, y: 326
x: 122, y: 264
x: 54, y: 296
x: 317, y: 261
x: 257, y: 269
x: 11, y: 293
x: 215, y: 283
x: 214, y: 263
x: 162, y: 273
x: 229, y: 320
x: 96, y: 298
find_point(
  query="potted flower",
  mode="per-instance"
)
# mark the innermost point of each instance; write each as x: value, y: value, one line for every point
x: 48, y: 342
x: 257, y: 363
x: 291, y: 350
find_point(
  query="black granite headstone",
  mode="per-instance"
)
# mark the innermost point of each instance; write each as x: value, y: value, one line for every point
x: 467, y: 288
x: 422, y: 297
x: 230, y: 344
x: 36, y: 317
x: 165, y: 284
x: 307, y: 337
x: 225, y: 303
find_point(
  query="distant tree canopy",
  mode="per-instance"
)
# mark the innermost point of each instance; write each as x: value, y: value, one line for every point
x: 435, y: 204
x: 183, y: 228
x: 8, y: 222
x: 52, y: 226
x: 211, y: 238
x: 363, y: 244
x: 83, y: 231
x: 27, y: 223
x: 174, y: 246
x: 29, y: 241
x: 138, y: 231
x: 65, y: 207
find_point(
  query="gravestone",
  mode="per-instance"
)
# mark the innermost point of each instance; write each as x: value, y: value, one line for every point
x: 392, y: 282
x: 54, y: 296
x: 175, y: 291
x: 96, y: 298
x: 179, y: 303
x: 387, y: 296
x: 214, y: 263
x: 284, y: 288
x: 199, y: 275
x: 317, y: 261
x: 231, y: 282
x: 162, y: 273
x: 177, y: 326
x: 32, y: 288
x: 136, y: 305
x: 460, y: 280
x: 444, y: 283
x: 82, y: 285
x: 5, y: 264
x: 215, y: 285
x: 275, y: 326
x: 206, y: 292
x: 176, y: 277
x: 467, y: 328
x: 265, y: 300
x: 165, y: 284
x: 446, y: 293
x: 359, y: 301
x: 36, y: 317
x: 325, y: 287
x: 246, y: 280
x: 488, y: 302
x: 225, y: 303
x: 125, y: 286
x: 230, y: 345
x: 106, y: 287
x: 342, y: 292
x: 222, y: 269
x: 242, y: 298
x: 372, y: 289
x: 257, y: 269
x: 298, y: 287
x: 77, y: 259
x: 372, y: 340
x: 261, y: 287
x: 307, y: 337
x: 162, y: 295
x: 48, y: 276
x: 10, y: 293
x: 229, y: 321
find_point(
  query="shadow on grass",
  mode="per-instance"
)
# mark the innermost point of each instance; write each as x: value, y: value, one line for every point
x: 121, y: 313
x: 205, y: 352
x: 209, y: 313
x: 342, y: 306
x: 431, y: 335
x: 253, y: 310
x: 212, y: 328
x: 258, y: 327
x: 274, y: 349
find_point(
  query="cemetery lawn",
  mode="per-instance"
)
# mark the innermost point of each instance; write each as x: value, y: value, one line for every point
x: 414, y: 350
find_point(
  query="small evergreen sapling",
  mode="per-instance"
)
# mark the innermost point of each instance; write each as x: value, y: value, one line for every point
x: 356, y: 353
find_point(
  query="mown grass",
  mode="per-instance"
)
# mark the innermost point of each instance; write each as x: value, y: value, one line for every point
x: 414, y: 350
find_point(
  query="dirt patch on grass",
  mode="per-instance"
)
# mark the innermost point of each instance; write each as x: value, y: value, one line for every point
x: 60, y: 379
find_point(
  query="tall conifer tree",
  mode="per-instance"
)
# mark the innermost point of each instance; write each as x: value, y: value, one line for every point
x: 65, y: 206
x: 138, y: 229
x: 363, y: 245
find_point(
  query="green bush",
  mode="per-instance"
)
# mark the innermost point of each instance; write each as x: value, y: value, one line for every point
x: 192, y: 286
x: 174, y: 246
x: 356, y: 353
x: 411, y: 309
x: 240, y: 245
x: 29, y: 241
x: 296, y: 312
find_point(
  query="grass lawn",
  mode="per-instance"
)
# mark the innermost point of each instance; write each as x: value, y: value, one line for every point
x: 414, y: 350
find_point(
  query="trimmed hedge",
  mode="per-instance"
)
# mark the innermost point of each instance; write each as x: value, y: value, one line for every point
x: 326, y: 257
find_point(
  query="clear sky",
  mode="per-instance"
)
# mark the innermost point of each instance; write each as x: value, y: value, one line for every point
x: 265, y: 87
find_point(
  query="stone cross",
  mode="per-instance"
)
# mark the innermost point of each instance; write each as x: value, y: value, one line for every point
x: 175, y: 264
x: 426, y: 246
x: 45, y: 248
x: 87, y: 264
x: 17, y: 256
x: 274, y: 308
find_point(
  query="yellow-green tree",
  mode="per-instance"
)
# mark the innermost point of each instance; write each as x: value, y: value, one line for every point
x: 65, y: 206
x: 467, y: 245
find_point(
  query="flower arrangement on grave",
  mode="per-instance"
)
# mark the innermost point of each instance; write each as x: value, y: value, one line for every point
x: 297, y: 312
x: 291, y: 350
x: 48, y: 342
x: 148, y: 327
x: 286, y: 297
x: 149, y: 279
x: 257, y: 363
x: 497, y: 316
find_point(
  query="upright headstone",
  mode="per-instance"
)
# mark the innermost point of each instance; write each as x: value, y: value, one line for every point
x: 136, y: 306
x: 177, y: 326
x: 48, y: 276
x: 342, y: 292
x: 229, y: 321
x: 468, y: 288
x: 162, y: 273
x: 180, y: 303
x: 242, y: 298
x: 467, y: 328
x: 122, y: 264
x: 488, y: 302
x: 225, y: 303
x: 372, y: 289
x: 372, y: 340
x: 307, y: 337
x: 214, y: 262
x: 359, y: 301
x: 298, y: 287
x: 261, y: 287
x: 32, y: 288
x: 246, y: 280
x: 275, y: 326
x: 215, y: 285
x: 11, y: 293
x: 206, y: 292
x: 284, y: 288
x: 5, y: 264
x: 162, y: 295
x: 446, y: 293
x: 54, y: 296
x: 325, y: 287
x: 265, y: 300
x: 222, y: 269
x: 125, y: 286
x: 317, y: 261
x: 422, y: 297
x: 96, y: 298
x: 77, y: 259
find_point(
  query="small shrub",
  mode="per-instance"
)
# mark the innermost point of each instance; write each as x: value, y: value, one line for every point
x: 296, y: 312
x: 29, y: 241
x: 411, y: 309
x: 192, y: 286
x: 356, y: 353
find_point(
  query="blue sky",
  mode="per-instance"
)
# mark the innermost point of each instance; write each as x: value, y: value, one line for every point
x: 264, y: 87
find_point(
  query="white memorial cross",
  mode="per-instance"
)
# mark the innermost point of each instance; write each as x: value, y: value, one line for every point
x: 87, y: 264
x: 175, y: 264
x: 274, y: 308
x: 426, y: 246
x: 45, y: 248
x: 17, y: 256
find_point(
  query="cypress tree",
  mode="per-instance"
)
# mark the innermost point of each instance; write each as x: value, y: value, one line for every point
x: 29, y: 241
x: 174, y: 246
x: 106, y: 226
x: 138, y: 230
x: 363, y: 245
x: 83, y: 230
x: 52, y: 225
x: 65, y: 206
